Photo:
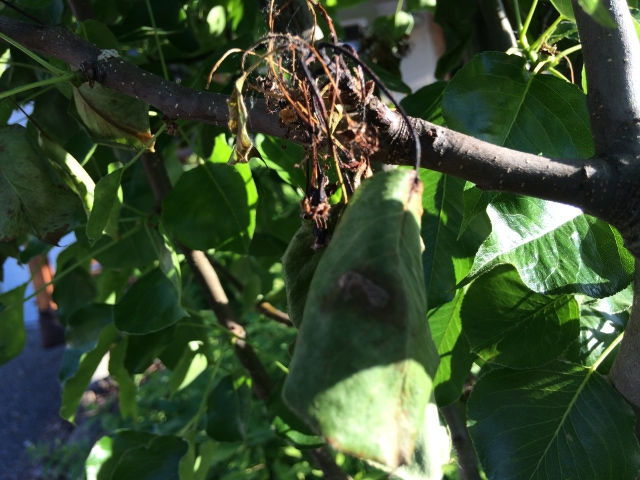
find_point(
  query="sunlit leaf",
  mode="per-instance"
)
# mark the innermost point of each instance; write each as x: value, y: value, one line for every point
x: 107, y: 451
x: 127, y: 388
x: 453, y: 347
x: 364, y: 359
x: 192, y: 363
x: 557, y: 421
x: 508, y: 324
x: 554, y: 248
x: 32, y: 197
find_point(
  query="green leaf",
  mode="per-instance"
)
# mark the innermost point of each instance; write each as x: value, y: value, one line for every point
x: 453, y: 347
x: 32, y: 198
x: 557, y: 421
x: 192, y: 363
x: 426, y: 103
x: 554, y: 248
x: 74, y: 386
x: 601, y: 321
x: 99, y: 34
x: 106, y: 207
x: 299, y: 263
x: 456, y: 20
x: 127, y: 389
x: 75, y: 289
x: 228, y: 408
x: 158, y: 460
x: 213, y: 206
x: 598, y: 11
x: 364, y: 359
x: 107, y: 452
x: 508, y: 324
x: 13, y: 335
x: 564, y: 8
x: 495, y: 98
x: 112, y: 118
x: 448, y: 256
x: 284, y: 158
x: 151, y: 304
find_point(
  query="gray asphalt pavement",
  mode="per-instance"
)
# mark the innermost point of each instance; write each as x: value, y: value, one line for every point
x: 29, y: 404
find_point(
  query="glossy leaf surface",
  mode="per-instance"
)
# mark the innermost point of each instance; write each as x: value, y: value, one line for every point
x: 107, y: 203
x: 569, y: 420
x: 364, y: 360
x: 508, y: 324
x: 554, y: 248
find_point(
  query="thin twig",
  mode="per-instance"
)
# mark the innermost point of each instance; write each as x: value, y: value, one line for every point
x: 273, y: 313
x: 454, y: 417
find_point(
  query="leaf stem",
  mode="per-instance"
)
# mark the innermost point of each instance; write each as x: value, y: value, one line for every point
x: 547, y: 33
x: 42, y: 83
x: 165, y: 72
x: 606, y: 352
x: 527, y: 23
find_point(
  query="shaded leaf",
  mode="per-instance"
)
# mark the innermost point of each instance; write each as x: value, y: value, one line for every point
x: 213, y: 206
x: 364, y: 358
x: 554, y: 248
x: 112, y: 118
x: 448, y: 255
x: 32, y: 198
x: 75, y: 385
x: 106, y: 208
x: 426, y: 103
x: 456, y: 20
x: 75, y: 289
x: 151, y: 304
x: 13, y: 335
x: 228, y: 408
x: 127, y: 388
x: 158, y: 460
x: 569, y: 420
x: 508, y: 324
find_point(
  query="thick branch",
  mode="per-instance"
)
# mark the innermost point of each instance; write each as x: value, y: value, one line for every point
x: 612, y: 63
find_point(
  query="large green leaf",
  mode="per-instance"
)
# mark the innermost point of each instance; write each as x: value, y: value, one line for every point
x: 213, y: 206
x: 595, y: 8
x: 112, y: 118
x: 557, y: 421
x: 127, y: 388
x: 495, y: 98
x: 554, y: 248
x: 364, y: 359
x: 12, y: 333
x: 448, y: 256
x: 508, y: 324
x: 453, y: 347
x: 75, y: 289
x: 32, y: 198
x: 284, y: 158
x: 426, y: 103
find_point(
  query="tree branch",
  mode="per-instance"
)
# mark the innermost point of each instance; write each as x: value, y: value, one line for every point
x: 588, y: 184
x: 600, y: 186
x: 612, y: 63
